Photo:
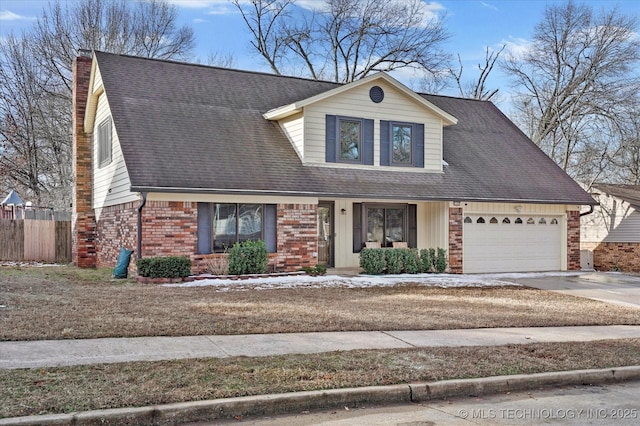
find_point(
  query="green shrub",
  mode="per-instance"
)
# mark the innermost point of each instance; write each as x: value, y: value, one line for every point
x: 411, y: 261
x: 395, y: 260
x: 440, y: 264
x: 428, y: 260
x: 248, y: 257
x: 164, y: 267
x: 372, y: 261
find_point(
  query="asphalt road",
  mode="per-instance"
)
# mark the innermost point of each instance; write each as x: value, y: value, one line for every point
x: 617, y: 404
x: 609, y: 287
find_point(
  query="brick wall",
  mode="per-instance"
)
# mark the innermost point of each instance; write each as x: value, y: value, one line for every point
x: 116, y: 228
x: 169, y: 228
x: 573, y: 241
x: 83, y: 252
x: 623, y: 257
x: 455, y: 240
x: 297, y: 236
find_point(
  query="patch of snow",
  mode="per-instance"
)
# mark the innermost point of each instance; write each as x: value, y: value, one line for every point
x: 363, y: 281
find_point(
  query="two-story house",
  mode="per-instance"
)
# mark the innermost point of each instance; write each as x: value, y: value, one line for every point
x: 184, y: 159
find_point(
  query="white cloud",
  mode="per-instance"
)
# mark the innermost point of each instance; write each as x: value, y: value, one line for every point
x: 7, y: 15
x: 197, y: 4
x: 199, y: 21
x: 517, y: 47
x: 489, y: 6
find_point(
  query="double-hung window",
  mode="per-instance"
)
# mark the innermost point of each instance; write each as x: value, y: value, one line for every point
x: 104, y: 143
x: 401, y: 144
x: 221, y: 225
x: 349, y: 140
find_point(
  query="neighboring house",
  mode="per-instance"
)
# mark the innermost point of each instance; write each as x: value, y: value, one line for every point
x: 183, y: 159
x: 612, y: 231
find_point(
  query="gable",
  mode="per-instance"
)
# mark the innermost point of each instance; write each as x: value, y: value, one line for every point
x: 356, y: 103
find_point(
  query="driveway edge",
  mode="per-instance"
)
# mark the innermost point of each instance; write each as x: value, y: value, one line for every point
x: 171, y: 414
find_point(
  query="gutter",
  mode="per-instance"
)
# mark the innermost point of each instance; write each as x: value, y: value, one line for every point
x: 587, y: 212
x: 140, y: 207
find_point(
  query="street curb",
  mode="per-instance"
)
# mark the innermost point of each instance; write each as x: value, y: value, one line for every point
x: 171, y: 414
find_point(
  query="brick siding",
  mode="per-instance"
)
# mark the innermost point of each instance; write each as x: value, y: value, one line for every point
x: 624, y: 257
x: 455, y: 240
x: 83, y: 251
x: 116, y: 228
x: 573, y: 241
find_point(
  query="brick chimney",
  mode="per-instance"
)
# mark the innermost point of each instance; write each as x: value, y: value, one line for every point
x: 84, y: 220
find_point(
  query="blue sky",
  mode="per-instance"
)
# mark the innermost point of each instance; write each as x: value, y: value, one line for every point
x: 474, y: 24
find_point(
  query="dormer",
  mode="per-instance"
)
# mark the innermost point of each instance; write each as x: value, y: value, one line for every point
x: 375, y: 122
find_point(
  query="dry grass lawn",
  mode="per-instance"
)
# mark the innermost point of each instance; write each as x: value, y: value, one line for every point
x: 62, y: 390
x: 65, y: 302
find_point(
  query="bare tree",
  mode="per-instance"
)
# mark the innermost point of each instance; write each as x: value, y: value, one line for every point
x: 571, y: 83
x: 35, y: 70
x: 345, y: 40
x: 478, y: 89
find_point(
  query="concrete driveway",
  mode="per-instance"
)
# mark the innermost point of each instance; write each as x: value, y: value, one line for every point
x: 604, y: 286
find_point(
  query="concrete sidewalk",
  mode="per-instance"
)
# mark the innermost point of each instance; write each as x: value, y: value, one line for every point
x: 53, y: 353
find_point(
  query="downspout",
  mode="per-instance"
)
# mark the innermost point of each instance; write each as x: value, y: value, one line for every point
x: 140, y: 207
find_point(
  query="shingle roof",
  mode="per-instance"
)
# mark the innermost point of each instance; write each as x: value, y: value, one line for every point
x: 192, y: 128
x: 628, y: 193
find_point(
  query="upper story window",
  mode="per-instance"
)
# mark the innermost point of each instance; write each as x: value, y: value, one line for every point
x: 104, y: 143
x: 401, y: 144
x: 349, y: 140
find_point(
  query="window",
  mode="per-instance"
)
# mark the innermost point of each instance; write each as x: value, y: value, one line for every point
x: 401, y: 137
x: 480, y: 220
x: 493, y: 220
x: 401, y: 144
x: 104, y: 143
x: 506, y: 220
x: 468, y: 220
x: 349, y: 140
x: 384, y: 224
x: 221, y: 225
x: 518, y: 221
x: 531, y: 221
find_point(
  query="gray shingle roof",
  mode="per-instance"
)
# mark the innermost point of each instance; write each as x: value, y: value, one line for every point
x: 628, y: 193
x: 191, y: 128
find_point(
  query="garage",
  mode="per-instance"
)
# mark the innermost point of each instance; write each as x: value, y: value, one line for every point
x: 501, y: 243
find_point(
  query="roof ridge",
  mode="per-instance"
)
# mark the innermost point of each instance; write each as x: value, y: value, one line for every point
x: 216, y: 67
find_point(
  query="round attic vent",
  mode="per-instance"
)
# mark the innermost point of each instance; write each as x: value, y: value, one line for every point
x: 376, y: 94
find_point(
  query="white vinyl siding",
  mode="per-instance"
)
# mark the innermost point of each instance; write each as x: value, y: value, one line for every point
x: 396, y: 106
x: 111, y: 182
x: 293, y: 127
x: 627, y: 231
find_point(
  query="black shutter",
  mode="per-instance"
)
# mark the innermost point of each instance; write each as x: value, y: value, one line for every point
x: 204, y: 228
x: 413, y: 226
x: 385, y: 149
x: 418, y: 145
x: 367, y: 143
x: 330, y: 138
x: 270, y: 227
x: 357, y: 227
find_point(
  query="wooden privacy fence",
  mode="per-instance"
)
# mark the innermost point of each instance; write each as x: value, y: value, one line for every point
x: 35, y: 240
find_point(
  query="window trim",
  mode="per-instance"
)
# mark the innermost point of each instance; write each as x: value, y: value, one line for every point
x: 105, y: 142
x: 206, y: 228
x: 385, y: 206
x: 413, y: 143
x: 360, y: 121
x: 417, y: 144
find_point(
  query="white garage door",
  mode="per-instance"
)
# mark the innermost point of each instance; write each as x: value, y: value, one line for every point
x: 500, y: 243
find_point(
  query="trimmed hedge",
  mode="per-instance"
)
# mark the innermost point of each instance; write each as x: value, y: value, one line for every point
x: 164, y: 267
x: 376, y: 261
x: 248, y: 257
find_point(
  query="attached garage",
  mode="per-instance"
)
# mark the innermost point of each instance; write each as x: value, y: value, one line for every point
x: 508, y: 243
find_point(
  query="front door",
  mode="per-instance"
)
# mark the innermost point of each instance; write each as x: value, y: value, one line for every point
x: 325, y: 234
